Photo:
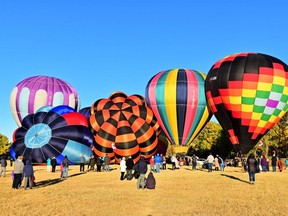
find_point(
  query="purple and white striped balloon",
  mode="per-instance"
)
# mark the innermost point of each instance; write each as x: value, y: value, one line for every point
x: 37, y: 91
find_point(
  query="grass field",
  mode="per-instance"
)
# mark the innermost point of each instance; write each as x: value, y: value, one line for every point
x: 178, y: 192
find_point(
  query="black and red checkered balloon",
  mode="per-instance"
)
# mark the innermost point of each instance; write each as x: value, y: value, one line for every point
x: 124, y: 126
x: 248, y: 94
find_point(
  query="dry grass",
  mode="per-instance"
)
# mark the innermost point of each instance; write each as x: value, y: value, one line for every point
x: 178, y: 192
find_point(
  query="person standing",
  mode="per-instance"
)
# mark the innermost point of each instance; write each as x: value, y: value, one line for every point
x: 48, y: 164
x: 82, y: 163
x: 164, y: 162
x: 280, y: 165
x: 264, y: 163
x: 129, y: 168
x: 122, y: 168
x: 141, y: 167
x: 92, y: 163
x: 18, y: 172
x: 194, y: 162
x: 152, y: 164
x: 53, y: 164
x: 221, y: 162
x: 107, y: 163
x: 286, y: 163
x: 28, y: 174
x: 65, y: 166
x: 158, y: 162
x: 274, y: 161
x: 11, y: 161
x: 252, y: 167
x: 216, y: 163
x: 98, y: 164
x: 3, y: 166
x: 210, y: 160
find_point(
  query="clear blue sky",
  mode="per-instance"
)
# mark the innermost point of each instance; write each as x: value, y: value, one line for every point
x: 117, y: 45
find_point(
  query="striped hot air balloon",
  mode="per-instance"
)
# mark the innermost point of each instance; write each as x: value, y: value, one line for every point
x: 124, y: 126
x: 248, y: 94
x: 177, y: 98
x: 34, y: 92
x: 53, y: 132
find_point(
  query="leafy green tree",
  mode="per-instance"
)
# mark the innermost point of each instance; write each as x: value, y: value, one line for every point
x: 4, y: 144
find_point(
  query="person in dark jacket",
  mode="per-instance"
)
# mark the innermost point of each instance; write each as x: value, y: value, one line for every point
x: 53, y: 164
x: 28, y: 174
x: 150, y: 181
x: 142, y: 169
x: 65, y: 165
x: 274, y: 161
x: 99, y: 163
x: 252, y: 168
x: 129, y: 168
x: 3, y: 166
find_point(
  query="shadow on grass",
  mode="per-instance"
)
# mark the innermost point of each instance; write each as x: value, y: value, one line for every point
x: 50, y: 182
x: 235, y: 178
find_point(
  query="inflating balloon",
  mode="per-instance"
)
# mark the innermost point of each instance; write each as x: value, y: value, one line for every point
x: 53, y: 132
x: 177, y: 98
x: 163, y: 144
x: 247, y: 92
x: 124, y: 126
x: 35, y: 92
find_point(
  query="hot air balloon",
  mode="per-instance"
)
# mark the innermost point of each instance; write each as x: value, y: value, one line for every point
x: 124, y: 126
x: 37, y: 91
x: 177, y: 98
x: 247, y: 92
x: 86, y: 112
x: 53, y: 132
x: 163, y: 144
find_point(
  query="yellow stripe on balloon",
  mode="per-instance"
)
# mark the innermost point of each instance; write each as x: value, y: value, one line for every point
x: 170, y: 101
x: 200, y: 125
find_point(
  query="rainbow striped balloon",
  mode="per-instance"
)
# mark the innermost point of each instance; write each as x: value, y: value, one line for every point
x: 37, y: 91
x: 177, y: 98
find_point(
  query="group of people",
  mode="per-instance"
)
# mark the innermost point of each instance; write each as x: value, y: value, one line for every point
x: 23, y: 171
x: 129, y: 170
x: 157, y: 163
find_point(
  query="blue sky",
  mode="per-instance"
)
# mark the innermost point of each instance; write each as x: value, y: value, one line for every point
x: 117, y: 45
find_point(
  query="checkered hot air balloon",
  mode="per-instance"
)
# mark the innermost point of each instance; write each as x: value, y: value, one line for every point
x: 248, y: 94
x: 124, y: 126
x: 37, y: 91
x: 177, y: 98
x: 53, y: 132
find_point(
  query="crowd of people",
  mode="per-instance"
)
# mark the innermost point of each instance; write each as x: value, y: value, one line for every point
x: 23, y: 169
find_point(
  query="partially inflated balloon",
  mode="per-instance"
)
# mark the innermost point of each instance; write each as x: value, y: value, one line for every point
x: 177, y: 98
x: 35, y: 92
x: 53, y: 132
x: 248, y: 94
x: 124, y: 126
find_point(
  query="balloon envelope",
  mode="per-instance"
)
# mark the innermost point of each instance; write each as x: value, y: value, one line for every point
x: 37, y: 91
x: 247, y: 92
x: 124, y: 126
x: 177, y: 98
x: 56, y: 132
